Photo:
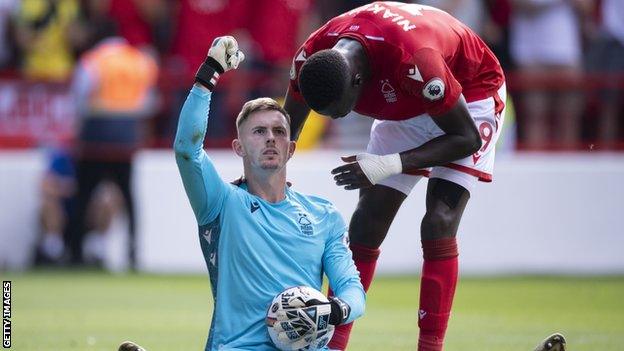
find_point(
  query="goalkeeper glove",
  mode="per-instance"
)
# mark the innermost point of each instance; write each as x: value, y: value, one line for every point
x: 223, y: 56
x: 340, y: 311
x: 295, y: 324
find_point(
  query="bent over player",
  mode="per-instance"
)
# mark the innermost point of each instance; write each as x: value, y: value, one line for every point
x: 258, y: 237
x: 436, y: 93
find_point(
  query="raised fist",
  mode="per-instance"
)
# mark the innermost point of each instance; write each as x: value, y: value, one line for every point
x: 223, y: 56
x: 224, y: 50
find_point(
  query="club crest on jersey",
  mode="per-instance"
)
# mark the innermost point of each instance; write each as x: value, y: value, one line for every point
x: 434, y: 89
x: 305, y: 225
x: 388, y: 91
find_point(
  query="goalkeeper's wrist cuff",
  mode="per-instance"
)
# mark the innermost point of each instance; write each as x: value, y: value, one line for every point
x: 340, y: 311
x: 208, y: 73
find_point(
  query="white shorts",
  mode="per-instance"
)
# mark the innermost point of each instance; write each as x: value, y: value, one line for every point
x: 388, y: 137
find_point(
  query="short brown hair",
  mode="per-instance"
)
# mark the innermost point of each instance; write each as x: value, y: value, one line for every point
x: 260, y: 104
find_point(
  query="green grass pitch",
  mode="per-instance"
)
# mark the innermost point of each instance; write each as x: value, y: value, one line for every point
x: 96, y: 311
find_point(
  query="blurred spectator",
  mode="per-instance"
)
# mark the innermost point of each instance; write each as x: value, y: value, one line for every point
x: 470, y: 12
x: 114, y: 86
x: 58, y: 187
x: 57, y: 190
x: 276, y: 41
x: 95, y: 22
x: 496, y: 30
x: 7, y: 49
x: 606, y: 57
x: 197, y: 23
x: 328, y: 9
x: 105, y: 203
x: 143, y: 23
x: 47, y: 32
x: 545, y: 41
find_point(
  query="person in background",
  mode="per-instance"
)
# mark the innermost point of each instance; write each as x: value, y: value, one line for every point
x: 275, y: 41
x: 206, y: 19
x: 259, y: 236
x: 58, y: 187
x: 114, y: 88
x: 7, y: 38
x: 47, y: 33
x: 550, y: 106
x: 437, y: 95
x: 145, y: 24
x: 606, y: 59
x: 469, y: 12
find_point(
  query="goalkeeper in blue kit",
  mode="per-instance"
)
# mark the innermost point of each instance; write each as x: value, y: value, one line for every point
x: 259, y: 237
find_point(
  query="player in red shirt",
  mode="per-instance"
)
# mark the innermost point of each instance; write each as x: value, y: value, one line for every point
x: 436, y: 92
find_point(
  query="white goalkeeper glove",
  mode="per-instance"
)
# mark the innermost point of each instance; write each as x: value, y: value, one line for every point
x: 305, y: 323
x: 223, y: 56
x: 225, y: 51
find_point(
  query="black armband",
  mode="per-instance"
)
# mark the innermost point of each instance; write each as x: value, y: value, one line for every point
x: 340, y: 311
x: 208, y: 73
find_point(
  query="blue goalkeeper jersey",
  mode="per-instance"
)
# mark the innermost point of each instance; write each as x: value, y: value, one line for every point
x: 255, y: 249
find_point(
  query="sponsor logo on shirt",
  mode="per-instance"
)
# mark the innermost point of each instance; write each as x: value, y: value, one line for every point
x: 414, y: 73
x: 388, y: 91
x: 305, y: 225
x: 434, y: 89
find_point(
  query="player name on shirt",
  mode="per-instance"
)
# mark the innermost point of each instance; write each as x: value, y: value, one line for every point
x: 386, y: 13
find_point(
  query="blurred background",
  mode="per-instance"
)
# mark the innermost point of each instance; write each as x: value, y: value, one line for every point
x: 88, y: 180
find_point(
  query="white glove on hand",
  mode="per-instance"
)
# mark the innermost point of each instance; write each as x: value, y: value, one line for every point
x: 376, y: 168
x: 225, y: 51
x: 223, y: 56
x: 301, y: 325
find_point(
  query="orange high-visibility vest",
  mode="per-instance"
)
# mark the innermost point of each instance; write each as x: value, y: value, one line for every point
x: 124, y: 76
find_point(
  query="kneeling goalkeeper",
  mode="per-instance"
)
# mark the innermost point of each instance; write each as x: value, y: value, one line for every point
x: 260, y: 236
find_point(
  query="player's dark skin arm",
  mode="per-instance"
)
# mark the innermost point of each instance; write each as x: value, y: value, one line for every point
x: 446, y: 200
x: 298, y: 112
x: 461, y: 140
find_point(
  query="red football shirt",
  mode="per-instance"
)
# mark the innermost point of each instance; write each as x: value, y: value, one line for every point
x: 422, y: 59
x: 198, y: 23
x: 131, y: 25
x: 274, y: 25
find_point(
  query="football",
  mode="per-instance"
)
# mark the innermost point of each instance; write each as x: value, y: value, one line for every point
x: 290, y: 300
